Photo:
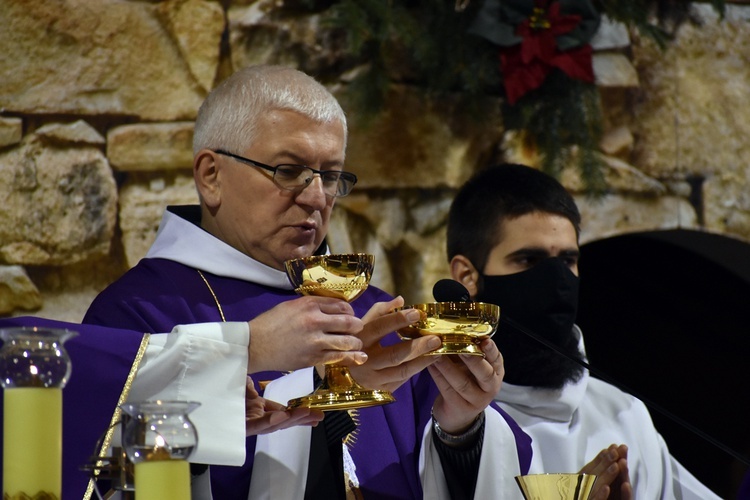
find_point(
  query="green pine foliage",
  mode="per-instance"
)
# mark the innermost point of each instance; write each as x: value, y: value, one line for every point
x: 562, y: 121
x: 422, y: 43
x: 638, y: 14
x: 426, y: 43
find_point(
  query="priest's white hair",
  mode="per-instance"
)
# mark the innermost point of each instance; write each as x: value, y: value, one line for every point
x: 228, y: 117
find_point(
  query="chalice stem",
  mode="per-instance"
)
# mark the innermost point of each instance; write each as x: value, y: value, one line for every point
x: 339, y: 379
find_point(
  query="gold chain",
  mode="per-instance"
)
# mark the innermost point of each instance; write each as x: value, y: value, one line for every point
x: 221, y: 311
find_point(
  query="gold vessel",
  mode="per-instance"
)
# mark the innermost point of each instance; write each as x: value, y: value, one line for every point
x: 556, y: 486
x: 345, y: 277
x: 460, y: 325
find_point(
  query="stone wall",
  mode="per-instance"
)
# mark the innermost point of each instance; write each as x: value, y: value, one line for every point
x: 97, y: 100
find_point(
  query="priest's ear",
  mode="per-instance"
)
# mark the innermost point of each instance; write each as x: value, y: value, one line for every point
x: 463, y: 271
x: 206, y: 176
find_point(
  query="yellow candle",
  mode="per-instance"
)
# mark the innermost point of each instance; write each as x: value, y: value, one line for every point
x: 162, y: 480
x: 32, y: 441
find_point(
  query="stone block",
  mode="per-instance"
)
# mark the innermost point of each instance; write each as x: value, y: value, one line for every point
x: 424, y: 262
x: 151, y: 146
x: 143, y: 199
x: 619, y: 176
x: 17, y: 291
x: 59, y: 203
x: 11, y: 131
x: 412, y: 143
x: 349, y: 233
x: 265, y: 33
x: 688, y: 114
x: 612, y: 69
x: 618, y: 141
x: 78, y: 132
x: 726, y: 203
x: 612, y: 215
x: 154, y: 61
x: 610, y: 35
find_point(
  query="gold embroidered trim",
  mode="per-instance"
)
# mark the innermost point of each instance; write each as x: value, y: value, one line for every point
x: 118, y: 411
x: 221, y: 312
x: 351, y: 439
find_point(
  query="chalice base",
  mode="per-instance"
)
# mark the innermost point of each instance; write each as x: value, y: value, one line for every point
x: 339, y: 391
x: 328, y: 400
x: 458, y: 344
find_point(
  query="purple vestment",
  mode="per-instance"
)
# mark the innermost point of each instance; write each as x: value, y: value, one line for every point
x: 158, y: 294
x: 101, y: 360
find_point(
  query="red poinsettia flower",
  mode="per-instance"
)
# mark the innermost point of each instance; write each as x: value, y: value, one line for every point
x: 526, y: 65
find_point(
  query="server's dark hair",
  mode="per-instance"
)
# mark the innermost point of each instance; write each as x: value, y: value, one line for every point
x: 497, y: 193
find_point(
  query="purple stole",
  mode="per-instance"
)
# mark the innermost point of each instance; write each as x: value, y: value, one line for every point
x: 158, y: 294
x: 101, y: 361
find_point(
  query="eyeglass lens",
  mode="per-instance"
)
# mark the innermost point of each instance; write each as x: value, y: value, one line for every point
x: 296, y: 176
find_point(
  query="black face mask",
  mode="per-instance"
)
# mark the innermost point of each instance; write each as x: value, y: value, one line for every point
x: 544, y: 300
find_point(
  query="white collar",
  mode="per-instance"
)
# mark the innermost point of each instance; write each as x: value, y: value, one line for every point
x: 182, y: 240
x: 550, y: 404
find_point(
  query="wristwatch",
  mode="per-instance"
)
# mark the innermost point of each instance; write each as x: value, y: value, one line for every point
x: 458, y: 439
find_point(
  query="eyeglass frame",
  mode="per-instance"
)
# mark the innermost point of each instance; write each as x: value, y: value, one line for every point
x: 350, y: 179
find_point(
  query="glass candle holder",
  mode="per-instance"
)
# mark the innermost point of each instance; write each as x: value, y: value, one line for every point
x: 34, y: 368
x: 158, y: 438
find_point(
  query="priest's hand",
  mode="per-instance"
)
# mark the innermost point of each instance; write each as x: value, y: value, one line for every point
x: 467, y: 385
x: 610, y: 467
x: 388, y: 367
x: 305, y: 332
x: 263, y: 415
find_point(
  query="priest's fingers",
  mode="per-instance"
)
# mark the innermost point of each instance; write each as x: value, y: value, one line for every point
x: 467, y: 385
x: 610, y: 469
x: 276, y: 420
x: 451, y: 408
x: 626, y: 490
x: 475, y: 379
x: 303, y: 332
x: 613, y: 483
x: 488, y: 371
x: 263, y: 415
x: 382, y: 308
x: 392, y: 377
x: 381, y: 320
x: 390, y: 366
x: 603, y: 460
x: 622, y: 489
x: 344, y: 358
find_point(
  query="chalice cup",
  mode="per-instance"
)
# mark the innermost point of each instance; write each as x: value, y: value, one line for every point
x: 345, y: 277
x: 571, y: 486
x: 460, y: 325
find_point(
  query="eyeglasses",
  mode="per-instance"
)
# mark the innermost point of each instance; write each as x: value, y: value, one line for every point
x: 336, y: 183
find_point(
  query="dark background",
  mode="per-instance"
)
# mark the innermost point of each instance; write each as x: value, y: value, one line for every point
x: 666, y: 315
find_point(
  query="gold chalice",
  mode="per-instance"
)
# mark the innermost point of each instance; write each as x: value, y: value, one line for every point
x: 556, y: 486
x: 460, y: 325
x: 343, y: 276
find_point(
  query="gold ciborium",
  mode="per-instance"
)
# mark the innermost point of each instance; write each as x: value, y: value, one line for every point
x: 460, y: 325
x: 345, y: 277
x: 556, y: 486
